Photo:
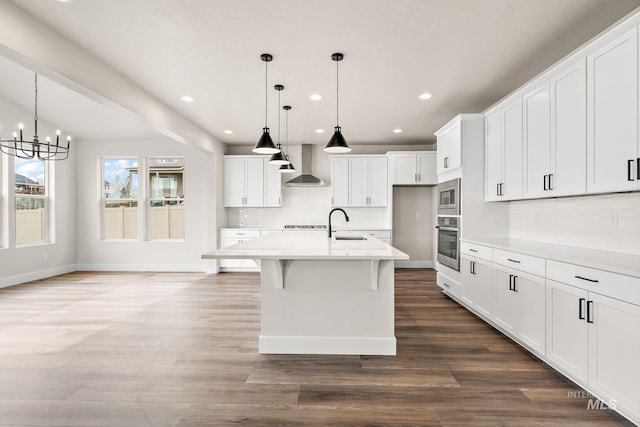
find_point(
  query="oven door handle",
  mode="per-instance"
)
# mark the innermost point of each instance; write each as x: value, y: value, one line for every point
x: 446, y: 228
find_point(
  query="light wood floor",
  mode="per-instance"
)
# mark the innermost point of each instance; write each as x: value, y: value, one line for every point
x: 141, y: 349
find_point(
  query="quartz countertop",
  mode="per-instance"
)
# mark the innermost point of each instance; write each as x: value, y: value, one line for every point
x: 614, y: 262
x: 309, y: 246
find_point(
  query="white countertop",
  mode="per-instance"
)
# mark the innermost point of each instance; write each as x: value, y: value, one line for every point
x: 308, y: 246
x: 614, y: 262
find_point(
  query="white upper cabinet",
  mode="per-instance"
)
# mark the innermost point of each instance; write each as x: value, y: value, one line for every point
x: 359, y: 181
x: 413, y: 168
x: 568, y: 162
x: 537, y: 141
x: 449, y: 147
x: 612, y: 111
x: 249, y: 181
x: 503, y: 152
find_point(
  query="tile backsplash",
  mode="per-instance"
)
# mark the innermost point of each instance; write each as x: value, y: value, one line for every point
x: 306, y: 205
x: 609, y: 222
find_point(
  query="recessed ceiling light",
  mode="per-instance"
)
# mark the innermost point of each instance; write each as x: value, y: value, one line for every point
x: 398, y: 130
x: 319, y: 130
x: 228, y: 132
x: 187, y: 98
x: 65, y: 1
x: 425, y: 95
x: 315, y: 97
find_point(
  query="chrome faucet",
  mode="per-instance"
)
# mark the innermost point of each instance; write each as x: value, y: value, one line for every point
x: 332, y: 211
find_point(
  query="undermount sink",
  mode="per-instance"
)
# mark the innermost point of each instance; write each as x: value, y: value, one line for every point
x: 351, y: 238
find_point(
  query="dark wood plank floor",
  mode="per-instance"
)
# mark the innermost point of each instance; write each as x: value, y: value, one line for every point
x: 144, y: 349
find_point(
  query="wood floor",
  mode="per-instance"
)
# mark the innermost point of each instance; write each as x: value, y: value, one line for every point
x: 144, y: 349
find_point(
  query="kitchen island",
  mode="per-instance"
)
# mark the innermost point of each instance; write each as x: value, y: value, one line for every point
x: 323, y: 295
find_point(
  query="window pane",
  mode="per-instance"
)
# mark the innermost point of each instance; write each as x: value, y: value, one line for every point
x: 30, y: 219
x: 165, y: 216
x: 120, y: 219
x: 120, y: 178
x: 30, y: 177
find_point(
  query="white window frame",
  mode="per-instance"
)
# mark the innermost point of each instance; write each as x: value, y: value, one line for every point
x: 151, y: 198
x: 104, y: 200
x: 48, y: 214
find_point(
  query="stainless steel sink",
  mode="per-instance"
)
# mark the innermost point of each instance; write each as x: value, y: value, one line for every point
x: 351, y: 238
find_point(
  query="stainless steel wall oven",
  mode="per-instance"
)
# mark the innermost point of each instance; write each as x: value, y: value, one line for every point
x: 448, y: 241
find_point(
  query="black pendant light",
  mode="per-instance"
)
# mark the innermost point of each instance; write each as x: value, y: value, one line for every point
x: 337, y: 143
x: 265, y: 144
x: 279, y: 157
x: 288, y: 168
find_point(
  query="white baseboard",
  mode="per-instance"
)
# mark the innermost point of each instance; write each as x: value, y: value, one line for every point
x: 36, y: 275
x: 384, y: 346
x: 414, y: 264
x: 160, y: 268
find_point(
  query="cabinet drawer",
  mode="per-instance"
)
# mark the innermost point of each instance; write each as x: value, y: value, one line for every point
x: 618, y: 286
x: 448, y: 285
x: 239, y: 233
x: 526, y: 263
x: 482, y: 252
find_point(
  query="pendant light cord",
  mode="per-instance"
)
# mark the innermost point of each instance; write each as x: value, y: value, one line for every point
x: 337, y: 93
x: 279, y: 118
x: 286, y: 132
x: 35, y: 117
x: 266, y: 92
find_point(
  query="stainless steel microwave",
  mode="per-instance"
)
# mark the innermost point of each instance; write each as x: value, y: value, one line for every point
x: 449, y: 197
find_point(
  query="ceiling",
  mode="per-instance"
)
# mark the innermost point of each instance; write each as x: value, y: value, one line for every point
x: 467, y: 53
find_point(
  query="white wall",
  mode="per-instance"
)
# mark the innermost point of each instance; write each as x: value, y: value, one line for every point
x: 21, y: 264
x: 580, y: 221
x: 413, y: 222
x: 202, y: 188
x: 311, y: 205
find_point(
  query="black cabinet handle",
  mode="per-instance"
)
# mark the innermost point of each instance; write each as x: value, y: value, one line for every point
x: 511, y: 282
x: 473, y: 250
x: 629, y: 164
x: 497, y: 189
x: 580, y: 305
x: 502, y: 188
x: 588, y: 280
x: 638, y: 168
x: 544, y: 182
x: 515, y: 278
x: 550, y: 182
x: 589, y: 311
x: 513, y: 260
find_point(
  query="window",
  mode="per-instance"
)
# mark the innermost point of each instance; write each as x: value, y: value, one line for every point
x: 166, y: 198
x: 31, y: 201
x: 120, y: 198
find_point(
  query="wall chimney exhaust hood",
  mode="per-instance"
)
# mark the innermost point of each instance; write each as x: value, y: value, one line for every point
x: 306, y: 179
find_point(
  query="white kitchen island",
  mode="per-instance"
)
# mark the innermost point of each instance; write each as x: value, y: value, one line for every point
x: 321, y: 295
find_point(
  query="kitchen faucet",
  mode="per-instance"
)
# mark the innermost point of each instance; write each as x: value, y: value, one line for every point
x: 332, y: 211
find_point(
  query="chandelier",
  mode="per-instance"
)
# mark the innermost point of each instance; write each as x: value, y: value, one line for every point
x: 35, y: 149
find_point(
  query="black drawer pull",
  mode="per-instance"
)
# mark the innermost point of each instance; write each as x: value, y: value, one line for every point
x: 448, y: 286
x: 629, y: 165
x: 588, y: 280
x: 473, y: 250
x: 580, y: 305
x: 513, y: 260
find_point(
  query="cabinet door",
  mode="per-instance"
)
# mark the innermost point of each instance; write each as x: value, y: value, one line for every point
x: 612, y: 115
x: 272, y: 185
x: 358, y: 181
x: 614, y: 346
x: 225, y: 242
x: 567, y: 329
x: 512, y: 143
x: 404, y: 169
x: 537, y: 141
x: 339, y: 181
x: 486, y: 284
x: 254, y: 175
x: 569, y: 136
x: 507, y: 311
x: 455, y: 147
x: 427, y: 169
x: 531, y: 324
x: 468, y: 284
x: 378, y: 182
x: 443, y: 152
x: 493, y: 156
x: 234, y: 182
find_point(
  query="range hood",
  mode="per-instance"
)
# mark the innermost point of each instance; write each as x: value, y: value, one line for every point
x: 306, y: 179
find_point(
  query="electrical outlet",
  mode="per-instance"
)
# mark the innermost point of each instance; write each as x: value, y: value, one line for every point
x: 45, y: 257
x: 612, y: 219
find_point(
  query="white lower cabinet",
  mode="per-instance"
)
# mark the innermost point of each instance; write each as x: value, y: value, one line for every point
x: 229, y: 237
x: 520, y: 306
x: 596, y: 340
x: 478, y: 285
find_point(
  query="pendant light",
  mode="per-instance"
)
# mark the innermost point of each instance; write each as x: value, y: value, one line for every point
x: 337, y: 143
x: 288, y: 168
x: 265, y: 144
x: 278, y: 158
